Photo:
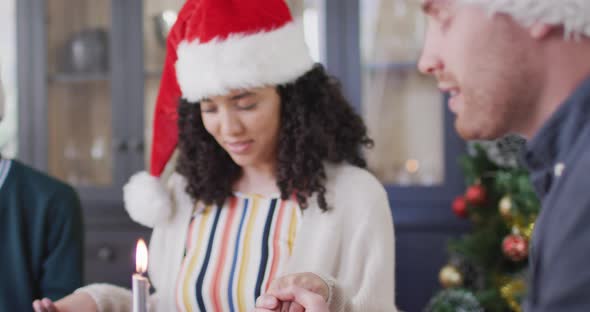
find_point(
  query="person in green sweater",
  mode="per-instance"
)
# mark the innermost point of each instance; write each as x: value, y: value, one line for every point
x: 40, y: 236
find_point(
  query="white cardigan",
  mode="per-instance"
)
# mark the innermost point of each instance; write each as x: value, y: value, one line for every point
x: 351, y: 246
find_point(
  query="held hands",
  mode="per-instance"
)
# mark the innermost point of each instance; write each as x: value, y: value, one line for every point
x: 291, y: 293
x: 295, y: 293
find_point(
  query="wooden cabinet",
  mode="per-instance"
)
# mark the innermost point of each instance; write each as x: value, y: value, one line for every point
x: 89, y: 72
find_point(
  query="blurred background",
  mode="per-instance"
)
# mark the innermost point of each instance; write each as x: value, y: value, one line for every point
x: 81, y: 77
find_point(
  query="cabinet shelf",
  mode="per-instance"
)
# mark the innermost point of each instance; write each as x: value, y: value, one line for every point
x: 78, y: 78
x: 152, y: 74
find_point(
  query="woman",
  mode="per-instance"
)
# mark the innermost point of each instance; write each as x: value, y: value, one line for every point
x: 269, y: 190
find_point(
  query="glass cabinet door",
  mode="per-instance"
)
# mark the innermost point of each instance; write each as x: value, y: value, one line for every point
x: 158, y: 18
x: 79, y: 101
x: 8, y: 70
x: 311, y: 14
x: 402, y: 108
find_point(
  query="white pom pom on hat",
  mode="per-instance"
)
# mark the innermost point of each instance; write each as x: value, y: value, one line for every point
x: 146, y: 199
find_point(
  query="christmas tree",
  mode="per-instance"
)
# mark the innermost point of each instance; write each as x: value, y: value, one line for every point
x: 487, y: 267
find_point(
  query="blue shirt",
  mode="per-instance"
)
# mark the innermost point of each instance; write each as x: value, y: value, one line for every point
x: 559, y: 161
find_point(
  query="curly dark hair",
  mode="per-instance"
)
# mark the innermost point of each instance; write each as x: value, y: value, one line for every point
x: 317, y: 124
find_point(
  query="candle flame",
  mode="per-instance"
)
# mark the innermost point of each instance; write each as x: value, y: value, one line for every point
x: 141, y: 257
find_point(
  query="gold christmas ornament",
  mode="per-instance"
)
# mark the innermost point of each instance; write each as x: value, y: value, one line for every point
x: 528, y: 231
x: 505, y: 207
x: 450, y: 276
x: 525, y: 228
x: 512, y: 291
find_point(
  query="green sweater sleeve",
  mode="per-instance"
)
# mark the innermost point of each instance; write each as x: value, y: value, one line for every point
x: 62, y: 265
x: 40, y: 237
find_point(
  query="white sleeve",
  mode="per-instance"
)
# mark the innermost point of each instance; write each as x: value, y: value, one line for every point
x: 371, y: 252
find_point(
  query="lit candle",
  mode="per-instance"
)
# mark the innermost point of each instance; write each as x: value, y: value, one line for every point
x: 140, y: 283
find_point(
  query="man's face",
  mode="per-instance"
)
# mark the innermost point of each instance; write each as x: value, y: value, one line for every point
x: 481, y: 61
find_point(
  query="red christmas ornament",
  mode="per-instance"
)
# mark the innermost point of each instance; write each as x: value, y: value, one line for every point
x: 460, y: 207
x: 515, y: 247
x: 476, y: 195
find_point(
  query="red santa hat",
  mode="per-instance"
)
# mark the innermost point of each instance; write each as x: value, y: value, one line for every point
x: 214, y: 47
x: 573, y: 15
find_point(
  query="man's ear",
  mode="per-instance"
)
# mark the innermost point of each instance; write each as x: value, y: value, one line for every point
x: 540, y: 31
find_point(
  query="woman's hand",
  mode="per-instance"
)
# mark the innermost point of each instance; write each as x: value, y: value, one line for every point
x: 309, y: 301
x: 307, y: 281
x: 75, y: 302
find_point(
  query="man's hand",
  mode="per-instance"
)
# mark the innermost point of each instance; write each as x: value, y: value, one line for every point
x: 308, y: 282
x: 307, y: 300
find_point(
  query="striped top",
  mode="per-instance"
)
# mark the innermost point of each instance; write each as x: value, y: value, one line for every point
x: 4, y: 169
x: 233, y: 252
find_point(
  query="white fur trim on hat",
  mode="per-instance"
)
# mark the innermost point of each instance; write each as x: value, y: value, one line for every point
x: 146, y: 199
x: 574, y: 15
x: 242, y: 61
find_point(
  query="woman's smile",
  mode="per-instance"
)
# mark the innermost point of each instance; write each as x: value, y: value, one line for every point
x: 239, y: 147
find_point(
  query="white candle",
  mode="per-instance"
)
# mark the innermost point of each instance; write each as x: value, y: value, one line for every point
x: 140, y: 283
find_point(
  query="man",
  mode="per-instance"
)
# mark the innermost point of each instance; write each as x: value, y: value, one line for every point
x: 523, y: 66
x: 40, y: 236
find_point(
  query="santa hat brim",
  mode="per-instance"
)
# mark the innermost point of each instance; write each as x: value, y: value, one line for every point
x: 242, y: 61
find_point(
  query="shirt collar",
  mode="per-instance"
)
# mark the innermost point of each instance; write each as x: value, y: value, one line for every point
x: 4, y: 169
x: 550, y: 145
